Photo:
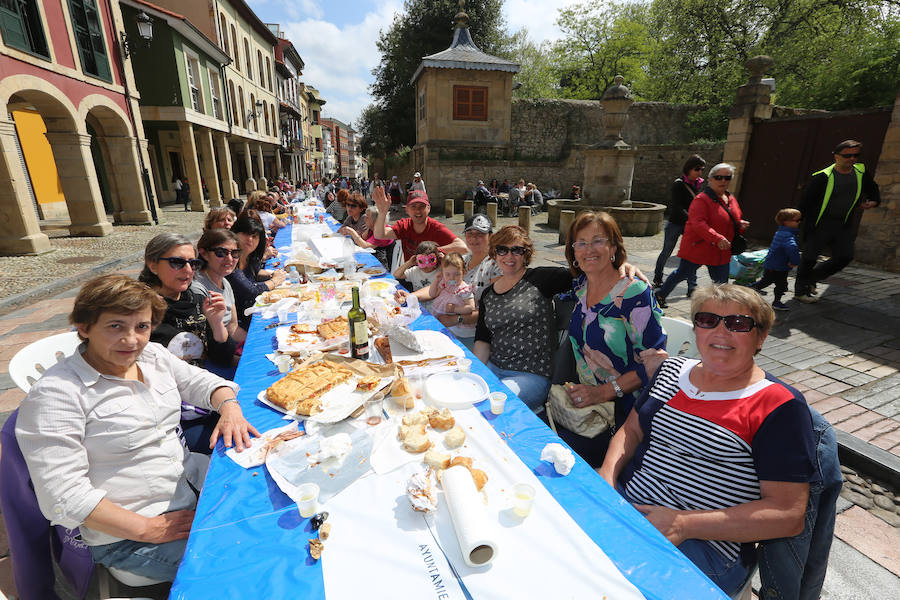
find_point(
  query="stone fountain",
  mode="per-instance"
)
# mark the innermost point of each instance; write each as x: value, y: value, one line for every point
x: 608, y: 171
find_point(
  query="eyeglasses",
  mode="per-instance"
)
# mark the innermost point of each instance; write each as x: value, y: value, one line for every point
x: 223, y: 252
x: 177, y: 263
x: 504, y: 250
x: 736, y: 323
x: 721, y: 177
x: 856, y: 156
x: 596, y: 244
x: 426, y: 260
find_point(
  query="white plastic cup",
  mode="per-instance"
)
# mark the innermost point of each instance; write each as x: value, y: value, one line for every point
x: 464, y: 364
x: 309, y: 499
x: 498, y: 402
x: 522, y: 499
x: 283, y: 362
x: 283, y: 315
x: 375, y: 409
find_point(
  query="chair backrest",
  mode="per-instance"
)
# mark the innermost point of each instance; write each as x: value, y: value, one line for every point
x: 680, y: 340
x: 32, y: 540
x: 396, y: 255
x: 562, y: 313
x: 30, y: 363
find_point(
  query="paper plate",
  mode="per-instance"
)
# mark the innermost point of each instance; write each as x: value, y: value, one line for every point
x: 455, y: 390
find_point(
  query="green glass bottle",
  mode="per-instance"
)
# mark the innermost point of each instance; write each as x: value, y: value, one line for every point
x: 359, y: 329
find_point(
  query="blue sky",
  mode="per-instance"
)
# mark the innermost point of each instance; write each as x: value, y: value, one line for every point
x: 336, y: 39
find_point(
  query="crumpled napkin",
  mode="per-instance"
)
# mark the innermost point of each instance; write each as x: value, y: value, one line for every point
x: 271, y: 311
x: 562, y: 458
x: 255, y: 455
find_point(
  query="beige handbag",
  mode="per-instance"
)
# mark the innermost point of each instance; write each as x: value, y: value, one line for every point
x: 589, y: 421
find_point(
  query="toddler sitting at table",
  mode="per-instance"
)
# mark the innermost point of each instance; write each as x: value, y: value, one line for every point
x: 422, y: 268
x: 452, y: 295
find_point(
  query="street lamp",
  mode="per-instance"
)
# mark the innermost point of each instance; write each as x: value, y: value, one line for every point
x: 254, y: 114
x: 145, y: 31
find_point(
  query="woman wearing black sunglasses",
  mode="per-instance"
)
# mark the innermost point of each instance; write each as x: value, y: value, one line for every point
x: 245, y: 278
x: 708, y: 233
x: 221, y: 252
x: 716, y: 451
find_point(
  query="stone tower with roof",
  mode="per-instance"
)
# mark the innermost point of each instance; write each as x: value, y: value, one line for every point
x: 463, y: 111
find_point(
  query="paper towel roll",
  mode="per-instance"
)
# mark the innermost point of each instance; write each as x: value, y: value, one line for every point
x: 474, y: 531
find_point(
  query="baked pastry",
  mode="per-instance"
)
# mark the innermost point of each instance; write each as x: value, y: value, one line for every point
x: 416, y: 418
x: 406, y: 430
x: 461, y: 461
x: 417, y: 441
x: 301, y: 328
x: 299, y: 391
x: 400, y: 387
x: 315, y: 548
x: 383, y: 345
x: 479, y: 477
x: 455, y: 438
x: 442, y: 419
x: 334, y: 328
x: 367, y: 384
x: 437, y: 460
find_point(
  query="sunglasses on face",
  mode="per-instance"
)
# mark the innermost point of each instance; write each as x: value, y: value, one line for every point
x: 721, y: 177
x: 596, y: 244
x: 177, y: 263
x: 856, y: 155
x: 223, y: 252
x: 426, y: 260
x: 735, y: 323
x: 504, y: 250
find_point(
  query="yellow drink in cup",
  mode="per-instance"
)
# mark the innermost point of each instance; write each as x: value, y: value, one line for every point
x: 309, y: 497
x: 523, y: 499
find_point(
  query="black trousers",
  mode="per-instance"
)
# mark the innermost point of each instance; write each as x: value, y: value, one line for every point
x: 831, y: 235
x: 779, y: 278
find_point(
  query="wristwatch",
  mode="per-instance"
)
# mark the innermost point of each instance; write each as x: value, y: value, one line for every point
x: 459, y: 320
x: 612, y: 380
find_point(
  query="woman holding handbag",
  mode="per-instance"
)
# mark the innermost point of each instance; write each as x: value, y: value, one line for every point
x: 714, y: 223
x: 615, y: 319
x: 688, y: 185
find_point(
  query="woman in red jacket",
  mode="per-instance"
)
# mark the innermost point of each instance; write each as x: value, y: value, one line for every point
x: 708, y: 232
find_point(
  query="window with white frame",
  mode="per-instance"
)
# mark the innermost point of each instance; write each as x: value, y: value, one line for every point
x: 215, y: 94
x: 193, y: 75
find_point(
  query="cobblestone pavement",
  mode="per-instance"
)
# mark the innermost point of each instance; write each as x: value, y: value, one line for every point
x: 843, y: 353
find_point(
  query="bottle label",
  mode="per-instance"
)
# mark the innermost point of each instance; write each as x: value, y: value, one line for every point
x: 361, y: 333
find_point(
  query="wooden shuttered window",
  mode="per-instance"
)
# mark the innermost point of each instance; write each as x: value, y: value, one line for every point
x: 469, y: 103
x: 88, y: 26
x: 21, y: 27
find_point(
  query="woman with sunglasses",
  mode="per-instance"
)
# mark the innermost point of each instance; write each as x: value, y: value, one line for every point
x: 245, y: 279
x: 356, y: 219
x: 614, y: 321
x: 192, y: 326
x: 707, y: 233
x: 717, y: 452
x: 682, y: 193
x: 221, y: 252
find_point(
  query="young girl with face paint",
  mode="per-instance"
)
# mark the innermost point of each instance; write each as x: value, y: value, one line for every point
x: 421, y: 269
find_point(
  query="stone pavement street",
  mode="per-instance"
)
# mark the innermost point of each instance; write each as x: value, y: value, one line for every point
x: 843, y: 353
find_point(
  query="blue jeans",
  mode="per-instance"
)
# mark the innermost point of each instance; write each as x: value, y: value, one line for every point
x: 530, y: 388
x: 687, y: 270
x: 156, y: 561
x: 729, y: 576
x: 670, y: 238
x: 794, y: 568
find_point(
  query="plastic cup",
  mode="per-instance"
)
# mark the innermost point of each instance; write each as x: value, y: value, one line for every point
x: 498, y: 401
x: 522, y: 498
x: 375, y: 409
x: 309, y: 499
x: 283, y: 362
x: 283, y: 315
x: 464, y: 364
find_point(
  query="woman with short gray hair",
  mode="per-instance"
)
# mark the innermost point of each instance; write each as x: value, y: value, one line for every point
x: 708, y: 233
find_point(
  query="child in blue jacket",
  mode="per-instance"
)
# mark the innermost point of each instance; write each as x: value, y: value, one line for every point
x: 783, y: 254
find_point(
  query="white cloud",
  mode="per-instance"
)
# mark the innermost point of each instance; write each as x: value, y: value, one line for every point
x: 539, y: 16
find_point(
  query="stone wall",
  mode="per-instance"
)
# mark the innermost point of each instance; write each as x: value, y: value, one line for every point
x: 877, y: 243
x: 656, y: 166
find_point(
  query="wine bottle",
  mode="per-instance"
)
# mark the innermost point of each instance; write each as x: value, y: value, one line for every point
x: 359, y: 329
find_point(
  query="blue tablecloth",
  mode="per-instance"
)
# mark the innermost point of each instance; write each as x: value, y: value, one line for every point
x: 248, y: 539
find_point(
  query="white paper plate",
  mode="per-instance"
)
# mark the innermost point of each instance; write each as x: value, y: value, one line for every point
x: 455, y: 390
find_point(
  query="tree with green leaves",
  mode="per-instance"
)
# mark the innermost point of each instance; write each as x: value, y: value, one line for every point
x: 422, y: 28
x: 538, y: 76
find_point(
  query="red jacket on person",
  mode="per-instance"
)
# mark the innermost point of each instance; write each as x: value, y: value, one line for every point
x: 707, y: 223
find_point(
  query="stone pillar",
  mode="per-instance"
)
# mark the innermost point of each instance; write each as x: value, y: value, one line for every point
x: 250, y: 182
x: 225, y: 173
x: 208, y: 167
x: 448, y: 208
x: 525, y: 218
x: 753, y: 103
x: 607, y: 176
x: 565, y: 220
x: 125, y: 177
x: 278, y: 171
x: 75, y: 164
x: 468, y: 209
x: 877, y: 243
x: 261, y: 183
x: 492, y: 212
x: 20, y: 232
x: 191, y: 166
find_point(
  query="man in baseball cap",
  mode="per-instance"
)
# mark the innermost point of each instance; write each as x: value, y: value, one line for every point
x: 417, y: 227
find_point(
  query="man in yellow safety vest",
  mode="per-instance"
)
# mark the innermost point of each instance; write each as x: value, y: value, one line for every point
x: 830, y: 201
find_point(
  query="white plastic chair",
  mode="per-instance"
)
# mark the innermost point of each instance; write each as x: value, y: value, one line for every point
x: 30, y: 363
x: 681, y: 341
x: 124, y: 577
x: 396, y: 256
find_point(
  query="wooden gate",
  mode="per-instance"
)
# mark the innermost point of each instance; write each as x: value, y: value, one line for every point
x: 785, y: 152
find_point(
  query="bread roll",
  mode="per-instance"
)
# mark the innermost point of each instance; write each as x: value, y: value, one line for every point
x: 464, y: 461
x: 416, y: 442
x: 455, y: 438
x: 437, y: 460
x: 442, y: 420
